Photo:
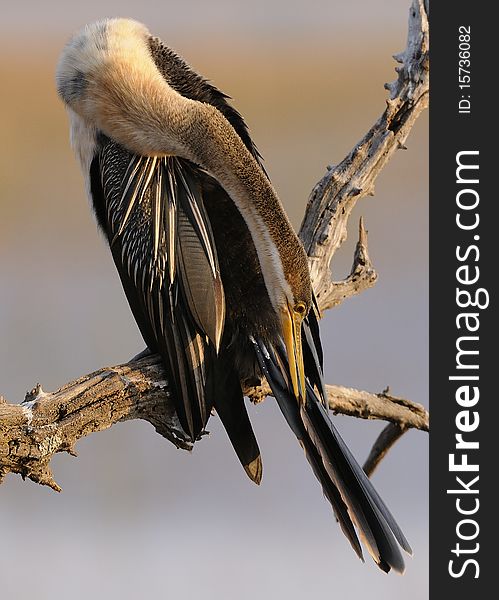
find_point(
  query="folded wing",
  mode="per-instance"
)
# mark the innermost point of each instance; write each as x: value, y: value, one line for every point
x: 162, y: 245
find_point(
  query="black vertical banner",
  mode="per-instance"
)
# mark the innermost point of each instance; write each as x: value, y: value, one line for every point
x: 463, y: 318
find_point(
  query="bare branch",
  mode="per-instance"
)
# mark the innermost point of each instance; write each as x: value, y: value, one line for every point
x: 324, y: 227
x: 362, y: 276
x: 47, y: 423
x: 386, y: 439
x: 365, y: 405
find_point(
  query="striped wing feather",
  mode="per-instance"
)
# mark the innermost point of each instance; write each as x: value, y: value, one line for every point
x: 163, y: 247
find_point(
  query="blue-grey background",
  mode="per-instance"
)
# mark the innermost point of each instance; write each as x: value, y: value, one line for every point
x: 136, y: 516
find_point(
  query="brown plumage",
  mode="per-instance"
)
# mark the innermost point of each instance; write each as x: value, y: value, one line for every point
x: 213, y: 271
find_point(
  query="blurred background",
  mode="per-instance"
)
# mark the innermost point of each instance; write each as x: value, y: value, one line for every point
x: 138, y: 518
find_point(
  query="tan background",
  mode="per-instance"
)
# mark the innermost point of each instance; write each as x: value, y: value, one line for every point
x: 138, y: 518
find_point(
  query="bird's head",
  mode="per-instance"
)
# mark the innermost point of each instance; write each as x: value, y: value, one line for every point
x: 91, y: 52
x: 106, y: 75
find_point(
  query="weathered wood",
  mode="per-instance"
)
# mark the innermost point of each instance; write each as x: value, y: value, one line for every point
x: 47, y: 423
x: 324, y: 227
x: 390, y: 434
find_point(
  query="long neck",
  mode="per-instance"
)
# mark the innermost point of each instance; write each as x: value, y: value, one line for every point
x: 129, y: 100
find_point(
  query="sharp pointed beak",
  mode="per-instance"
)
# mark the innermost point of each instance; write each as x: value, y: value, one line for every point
x: 291, y: 330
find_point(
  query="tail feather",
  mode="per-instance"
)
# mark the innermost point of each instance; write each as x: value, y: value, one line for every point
x: 355, y: 502
x: 313, y: 359
x: 361, y: 480
x: 292, y: 415
x: 223, y: 390
x: 369, y: 520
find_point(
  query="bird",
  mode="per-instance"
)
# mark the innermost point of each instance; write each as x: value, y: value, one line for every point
x: 215, y: 275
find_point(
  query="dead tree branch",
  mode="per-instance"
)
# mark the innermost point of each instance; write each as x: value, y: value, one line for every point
x: 324, y: 227
x: 390, y: 434
x: 46, y: 423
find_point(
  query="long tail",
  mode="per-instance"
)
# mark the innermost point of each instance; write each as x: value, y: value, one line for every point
x: 356, y: 504
x: 223, y: 391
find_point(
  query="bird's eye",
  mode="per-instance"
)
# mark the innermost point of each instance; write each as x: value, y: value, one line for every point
x: 300, y: 308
